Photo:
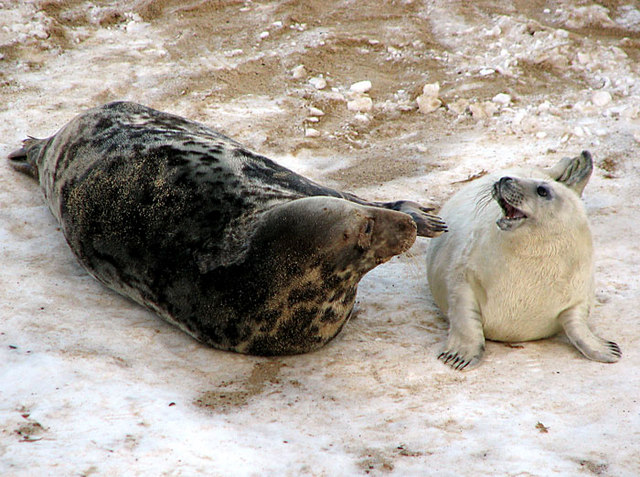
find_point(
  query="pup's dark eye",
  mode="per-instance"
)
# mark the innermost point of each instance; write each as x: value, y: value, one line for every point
x: 542, y: 191
x: 368, y: 227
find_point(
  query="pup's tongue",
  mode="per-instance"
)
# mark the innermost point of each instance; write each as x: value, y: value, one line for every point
x: 512, y: 216
x: 510, y: 212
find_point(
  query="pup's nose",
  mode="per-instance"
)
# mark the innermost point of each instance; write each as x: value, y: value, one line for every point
x: 505, y: 181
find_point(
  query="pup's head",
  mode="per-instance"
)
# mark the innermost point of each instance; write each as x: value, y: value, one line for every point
x: 544, y: 201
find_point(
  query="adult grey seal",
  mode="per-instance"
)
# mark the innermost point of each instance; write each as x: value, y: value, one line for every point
x: 239, y: 252
x: 518, y: 267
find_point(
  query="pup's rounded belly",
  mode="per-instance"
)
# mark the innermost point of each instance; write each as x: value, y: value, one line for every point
x: 512, y: 322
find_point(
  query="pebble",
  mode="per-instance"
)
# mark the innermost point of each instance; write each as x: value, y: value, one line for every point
x: 502, y: 98
x: 333, y: 96
x: 584, y: 58
x: 361, y: 86
x: 495, y: 31
x: 318, y: 82
x: 310, y: 132
x: 458, y: 106
x: 264, y: 35
x: 428, y: 101
x: 431, y: 89
x: 299, y: 72
x: 316, y: 111
x: 427, y: 104
x: 483, y: 110
x: 601, y: 98
x: 361, y: 105
x: 544, y: 107
x: 636, y: 136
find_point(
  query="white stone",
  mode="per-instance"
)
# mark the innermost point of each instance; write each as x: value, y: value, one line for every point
x: 427, y: 104
x: 630, y: 112
x: 318, y: 82
x: 362, y: 117
x: 544, y: 107
x: 334, y: 96
x: 502, y: 98
x: 459, y: 106
x: 541, y: 135
x: 428, y: 101
x: 601, y: 98
x: 299, y: 72
x: 361, y: 104
x: 361, y: 86
x: 316, y: 111
x: 486, y: 71
x: 495, y: 31
x: 483, y: 110
x: 232, y: 53
x: 636, y: 136
x: 431, y: 89
x: 264, y: 35
x: 310, y: 132
x: 519, y: 117
x: 583, y: 58
x: 313, y: 119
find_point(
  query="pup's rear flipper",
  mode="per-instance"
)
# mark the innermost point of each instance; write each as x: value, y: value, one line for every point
x: 23, y: 159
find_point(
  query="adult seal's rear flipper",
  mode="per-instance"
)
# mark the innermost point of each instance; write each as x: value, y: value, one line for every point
x: 24, y: 159
x: 428, y: 225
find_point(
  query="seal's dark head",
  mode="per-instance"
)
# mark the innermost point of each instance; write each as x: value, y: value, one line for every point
x: 308, y: 256
x: 340, y: 234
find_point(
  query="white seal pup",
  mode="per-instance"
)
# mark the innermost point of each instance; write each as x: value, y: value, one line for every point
x: 517, y: 263
x: 239, y: 252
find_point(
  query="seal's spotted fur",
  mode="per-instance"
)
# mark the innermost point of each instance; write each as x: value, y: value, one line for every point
x: 239, y: 252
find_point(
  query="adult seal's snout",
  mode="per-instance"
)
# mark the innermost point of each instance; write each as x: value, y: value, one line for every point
x: 396, y: 235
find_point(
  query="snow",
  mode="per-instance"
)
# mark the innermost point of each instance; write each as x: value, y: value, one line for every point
x: 91, y: 383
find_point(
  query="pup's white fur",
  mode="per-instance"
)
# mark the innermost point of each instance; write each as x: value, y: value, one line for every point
x: 509, y: 278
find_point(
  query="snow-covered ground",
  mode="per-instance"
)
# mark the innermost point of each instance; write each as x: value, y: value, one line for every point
x: 92, y: 384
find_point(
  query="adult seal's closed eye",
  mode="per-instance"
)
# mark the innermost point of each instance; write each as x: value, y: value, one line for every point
x: 237, y: 251
x: 517, y: 263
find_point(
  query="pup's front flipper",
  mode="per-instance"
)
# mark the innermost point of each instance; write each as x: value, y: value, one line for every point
x: 574, y: 322
x: 465, y: 343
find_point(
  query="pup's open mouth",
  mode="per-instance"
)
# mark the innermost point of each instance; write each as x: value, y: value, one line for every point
x: 510, y: 212
x: 512, y: 215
